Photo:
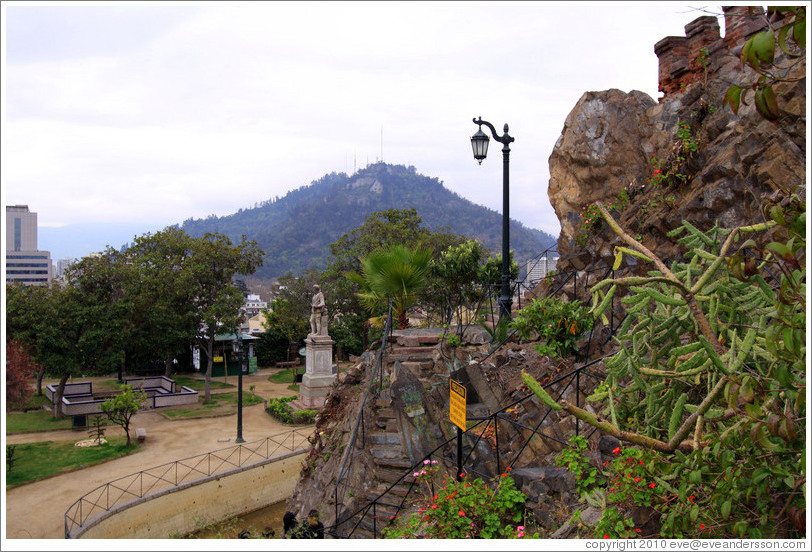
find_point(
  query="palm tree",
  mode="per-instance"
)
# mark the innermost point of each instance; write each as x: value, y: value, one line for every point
x: 397, y: 274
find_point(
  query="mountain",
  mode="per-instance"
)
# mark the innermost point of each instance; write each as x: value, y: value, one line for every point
x: 295, y: 231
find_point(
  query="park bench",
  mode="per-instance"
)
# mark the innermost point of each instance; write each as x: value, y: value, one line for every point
x: 286, y: 364
x: 141, y: 434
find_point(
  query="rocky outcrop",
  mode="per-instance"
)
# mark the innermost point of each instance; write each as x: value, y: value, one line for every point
x: 605, y: 143
x: 614, y: 141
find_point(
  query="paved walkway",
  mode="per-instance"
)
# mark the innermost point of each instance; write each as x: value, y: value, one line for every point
x: 37, y: 510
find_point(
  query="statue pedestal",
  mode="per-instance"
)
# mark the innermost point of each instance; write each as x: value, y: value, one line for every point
x: 319, y: 372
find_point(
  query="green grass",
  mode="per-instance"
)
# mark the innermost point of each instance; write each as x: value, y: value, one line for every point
x: 282, y: 376
x: 33, y: 461
x: 199, y: 384
x: 221, y: 404
x: 31, y: 402
x: 35, y: 420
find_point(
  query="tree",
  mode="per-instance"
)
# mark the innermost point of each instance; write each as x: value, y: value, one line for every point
x: 380, y: 231
x: 120, y: 408
x: 289, y: 312
x: 162, y: 318
x: 397, y: 275
x: 454, y: 278
x: 213, y: 262
x: 19, y: 370
x: 67, y: 329
x: 26, y: 311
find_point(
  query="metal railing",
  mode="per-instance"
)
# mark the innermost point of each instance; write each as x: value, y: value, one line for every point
x: 377, y: 372
x: 130, y: 488
x: 384, y: 509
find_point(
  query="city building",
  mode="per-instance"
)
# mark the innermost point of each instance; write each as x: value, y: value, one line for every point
x: 24, y: 262
x: 62, y: 265
x: 254, y: 305
x: 537, y: 269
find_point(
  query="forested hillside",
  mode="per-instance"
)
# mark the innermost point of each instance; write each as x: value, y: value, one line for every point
x: 295, y: 231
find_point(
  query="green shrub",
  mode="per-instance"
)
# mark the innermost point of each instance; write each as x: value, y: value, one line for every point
x: 558, y: 323
x: 469, y: 508
x: 710, y: 379
x: 281, y: 410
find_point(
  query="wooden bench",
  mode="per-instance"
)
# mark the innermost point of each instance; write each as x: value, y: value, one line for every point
x: 141, y: 434
x: 287, y: 364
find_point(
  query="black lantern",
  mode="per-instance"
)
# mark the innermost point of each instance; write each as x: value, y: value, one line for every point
x: 479, y: 142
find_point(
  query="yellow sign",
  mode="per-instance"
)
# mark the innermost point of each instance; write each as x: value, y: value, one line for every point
x: 217, y: 359
x: 457, y: 404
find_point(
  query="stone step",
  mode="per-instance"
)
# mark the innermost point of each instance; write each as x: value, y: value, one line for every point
x: 400, y: 356
x: 392, y: 476
x: 385, y: 414
x: 393, y: 460
x: 410, y: 350
x: 384, y: 438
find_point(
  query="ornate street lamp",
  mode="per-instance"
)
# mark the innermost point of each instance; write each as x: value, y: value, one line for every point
x: 479, y: 143
x: 238, y: 348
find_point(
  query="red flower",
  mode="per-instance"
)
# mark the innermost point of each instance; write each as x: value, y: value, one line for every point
x: 637, y: 530
x: 509, y: 468
x: 616, y: 450
x: 701, y: 525
x: 652, y: 485
x: 462, y: 513
x: 433, y: 506
x: 606, y: 536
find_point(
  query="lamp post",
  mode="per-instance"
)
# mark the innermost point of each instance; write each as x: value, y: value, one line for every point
x: 238, y: 348
x: 479, y: 142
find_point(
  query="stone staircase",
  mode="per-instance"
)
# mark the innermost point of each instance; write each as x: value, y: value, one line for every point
x: 417, y: 353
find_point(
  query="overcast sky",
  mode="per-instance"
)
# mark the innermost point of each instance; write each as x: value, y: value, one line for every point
x: 154, y: 113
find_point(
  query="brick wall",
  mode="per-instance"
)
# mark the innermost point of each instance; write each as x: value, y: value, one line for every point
x: 680, y: 57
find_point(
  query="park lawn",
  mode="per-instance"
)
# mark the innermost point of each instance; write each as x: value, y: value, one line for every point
x: 221, y: 404
x: 34, y: 461
x: 284, y: 376
x: 199, y: 384
x: 35, y: 420
x: 31, y: 402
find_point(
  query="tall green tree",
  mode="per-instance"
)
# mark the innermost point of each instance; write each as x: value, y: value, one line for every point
x: 397, y: 275
x: 27, y: 311
x: 455, y: 278
x: 213, y: 262
x: 289, y: 312
x: 162, y: 320
x: 380, y: 231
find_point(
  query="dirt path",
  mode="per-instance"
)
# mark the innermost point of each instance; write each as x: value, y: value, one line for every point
x: 37, y: 510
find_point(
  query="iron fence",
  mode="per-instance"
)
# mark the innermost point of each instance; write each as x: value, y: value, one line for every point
x: 128, y: 489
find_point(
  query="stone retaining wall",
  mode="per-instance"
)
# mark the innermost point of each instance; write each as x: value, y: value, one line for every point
x: 180, y: 510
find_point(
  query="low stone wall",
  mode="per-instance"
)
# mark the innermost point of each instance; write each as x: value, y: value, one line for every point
x: 183, y: 509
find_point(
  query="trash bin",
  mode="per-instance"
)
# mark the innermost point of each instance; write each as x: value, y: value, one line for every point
x: 79, y: 421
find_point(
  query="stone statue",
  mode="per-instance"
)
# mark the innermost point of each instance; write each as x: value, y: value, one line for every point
x: 317, y: 304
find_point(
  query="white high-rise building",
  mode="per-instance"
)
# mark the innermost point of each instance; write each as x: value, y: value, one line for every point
x: 24, y: 262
